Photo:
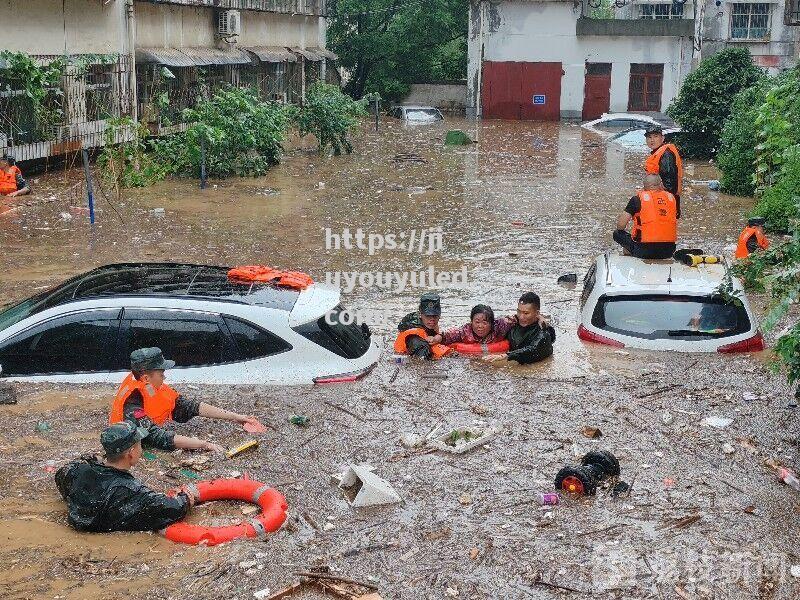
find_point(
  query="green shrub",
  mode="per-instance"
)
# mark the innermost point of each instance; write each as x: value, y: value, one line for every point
x: 737, y: 152
x: 706, y: 97
x: 126, y: 159
x: 778, y: 128
x: 330, y: 116
x: 242, y: 135
x: 779, y: 202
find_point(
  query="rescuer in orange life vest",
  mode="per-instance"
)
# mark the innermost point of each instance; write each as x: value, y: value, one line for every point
x: 11, y: 182
x: 664, y: 160
x: 655, y: 227
x: 752, y: 238
x: 417, y: 326
x: 146, y: 401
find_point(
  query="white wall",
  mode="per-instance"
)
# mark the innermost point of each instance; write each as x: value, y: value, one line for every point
x: 170, y: 26
x: 448, y: 96
x: 273, y: 29
x: 45, y: 27
x: 545, y: 32
x: 778, y: 53
x: 165, y: 26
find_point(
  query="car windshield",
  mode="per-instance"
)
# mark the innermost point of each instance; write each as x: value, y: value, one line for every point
x: 422, y: 114
x: 52, y: 297
x: 671, y: 317
x: 630, y: 139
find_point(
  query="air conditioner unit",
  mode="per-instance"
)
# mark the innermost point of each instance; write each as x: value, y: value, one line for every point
x: 230, y: 23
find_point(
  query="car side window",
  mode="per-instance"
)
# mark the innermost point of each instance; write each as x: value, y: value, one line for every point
x: 76, y: 343
x: 191, y: 339
x: 588, y: 284
x: 254, y: 342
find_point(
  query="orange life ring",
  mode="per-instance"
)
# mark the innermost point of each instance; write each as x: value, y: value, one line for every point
x: 494, y: 348
x: 259, y: 273
x: 273, y: 512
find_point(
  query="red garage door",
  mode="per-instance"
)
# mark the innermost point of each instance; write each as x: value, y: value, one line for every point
x: 529, y: 91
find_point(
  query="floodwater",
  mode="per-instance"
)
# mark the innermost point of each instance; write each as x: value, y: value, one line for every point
x: 526, y: 203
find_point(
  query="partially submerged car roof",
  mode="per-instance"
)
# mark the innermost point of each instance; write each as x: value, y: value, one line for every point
x: 166, y: 279
x: 629, y: 272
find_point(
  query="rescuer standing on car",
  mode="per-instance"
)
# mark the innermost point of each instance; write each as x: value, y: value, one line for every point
x: 146, y: 401
x: 664, y: 160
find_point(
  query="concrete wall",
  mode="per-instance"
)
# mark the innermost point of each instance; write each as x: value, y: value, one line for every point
x: 160, y: 25
x: 45, y: 27
x: 171, y: 26
x: 546, y: 32
x: 446, y: 96
x: 778, y: 53
x: 273, y: 29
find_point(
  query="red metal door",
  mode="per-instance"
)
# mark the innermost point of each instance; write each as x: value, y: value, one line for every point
x: 596, y: 90
x: 528, y: 91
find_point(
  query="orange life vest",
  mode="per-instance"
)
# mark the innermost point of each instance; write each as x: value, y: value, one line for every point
x: 657, y: 219
x: 262, y: 274
x: 8, y: 181
x: 747, y: 233
x: 651, y: 165
x: 158, y: 403
x: 439, y: 350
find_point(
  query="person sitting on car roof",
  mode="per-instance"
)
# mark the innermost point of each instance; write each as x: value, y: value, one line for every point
x: 531, y: 338
x: 146, y: 401
x: 655, y: 226
x: 752, y: 238
x: 102, y: 495
x: 664, y: 160
x: 417, y: 326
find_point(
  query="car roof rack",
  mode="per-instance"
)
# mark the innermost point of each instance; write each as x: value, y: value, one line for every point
x: 608, y: 268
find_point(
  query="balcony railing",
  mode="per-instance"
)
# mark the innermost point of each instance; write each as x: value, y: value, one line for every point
x: 651, y: 18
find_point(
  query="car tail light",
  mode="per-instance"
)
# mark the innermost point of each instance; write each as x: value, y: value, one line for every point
x: 590, y: 336
x: 344, y: 377
x: 752, y: 344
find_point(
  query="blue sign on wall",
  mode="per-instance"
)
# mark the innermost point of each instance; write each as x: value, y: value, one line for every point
x: 539, y: 99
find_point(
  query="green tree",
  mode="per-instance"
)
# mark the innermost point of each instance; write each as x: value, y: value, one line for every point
x: 388, y: 44
x: 737, y: 152
x: 778, y: 128
x: 330, y: 116
x: 706, y: 98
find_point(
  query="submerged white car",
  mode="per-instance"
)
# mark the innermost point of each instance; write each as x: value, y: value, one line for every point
x: 217, y: 331
x: 665, y: 305
x: 416, y: 114
x: 611, y: 123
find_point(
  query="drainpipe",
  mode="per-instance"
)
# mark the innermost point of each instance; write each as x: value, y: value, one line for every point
x: 479, y: 86
x: 130, y: 21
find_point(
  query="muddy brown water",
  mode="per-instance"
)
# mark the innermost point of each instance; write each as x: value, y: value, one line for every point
x: 524, y: 204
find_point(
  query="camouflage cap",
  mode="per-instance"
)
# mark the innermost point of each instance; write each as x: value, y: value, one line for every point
x: 120, y: 436
x: 149, y: 359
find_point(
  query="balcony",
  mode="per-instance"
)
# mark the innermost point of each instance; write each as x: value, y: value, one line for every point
x: 639, y: 18
x: 297, y: 7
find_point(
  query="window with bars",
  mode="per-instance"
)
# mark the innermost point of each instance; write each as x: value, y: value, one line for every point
x: 644, y: 90
x: 792, y: 15
x: 750, y: 21
x: 661, y: 11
